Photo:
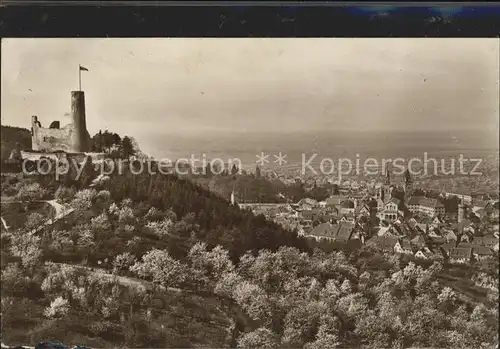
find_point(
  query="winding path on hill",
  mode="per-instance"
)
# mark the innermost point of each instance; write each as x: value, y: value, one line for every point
x: 60, y: 212
x: 122, y: 280
x: 4, y: 223
x: 235, y: 313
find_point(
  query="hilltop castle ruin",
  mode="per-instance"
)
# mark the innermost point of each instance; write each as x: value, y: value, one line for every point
x: 72, y: 138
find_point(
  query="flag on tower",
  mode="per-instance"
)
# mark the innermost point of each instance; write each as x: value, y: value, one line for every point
x: 80, y: 68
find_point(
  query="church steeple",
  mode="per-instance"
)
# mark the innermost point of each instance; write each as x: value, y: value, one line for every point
x: 386, y: 189
x: 233, y: 202
x: 407, y: 177
x: 257, y: 172
x: 408, y: 185
x: 461, y: 210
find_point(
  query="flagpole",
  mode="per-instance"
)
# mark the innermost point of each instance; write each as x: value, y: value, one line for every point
x: 79, y: 79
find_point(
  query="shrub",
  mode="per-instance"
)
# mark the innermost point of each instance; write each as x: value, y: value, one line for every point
x: 260, y: 338
x: 227, y: 284
x: 83, y: 199
x: 34, y: 221
x: 113, y: 209
x: 103, y: 199
x: 123, y: 262
x: 30, y: 192
x: 100, y: 223
x: 126, y: 215
x: 27, y: 247
x: 126, y: 202
x: 128, y: 228
x: 163, y: 228
x: 58, y: 307
x: 161, y: 268
x: 13, y: 280
x: 110, y: 307
x: 154, y: 215
x: 64, y: 195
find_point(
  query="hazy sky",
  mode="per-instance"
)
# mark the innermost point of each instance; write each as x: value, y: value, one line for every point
x: 144, y: 87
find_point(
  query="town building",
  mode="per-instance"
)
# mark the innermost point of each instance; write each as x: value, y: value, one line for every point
x: 390, y: 211
x: 450, y: 236
x: 491, y: 210
x: 362, y: 210
x: 467, y: 199
x: 424, y: 254
x: 433, y: 234
x: 383, y: 243
x: 428, y: 206
x: 463, y: 210
x: 332, y: 232
x: 307, y: 204
x: 335, y: 202
x: 418, y: 241
x: 460, y: 255
x: 487, y: 241
x: 403, y: 246
x: 347, y: 207
x: 482, y: 253
x: 446, y: 248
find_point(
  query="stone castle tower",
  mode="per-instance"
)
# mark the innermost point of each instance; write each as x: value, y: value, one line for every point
x: 72, y: 138
x: 80, y: 137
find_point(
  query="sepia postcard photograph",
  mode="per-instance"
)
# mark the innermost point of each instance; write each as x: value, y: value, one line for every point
x: 250, y: 193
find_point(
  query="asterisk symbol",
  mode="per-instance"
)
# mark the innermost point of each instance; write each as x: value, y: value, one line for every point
x: 280, y: 159
x: 262, y: 159
x: 222, y: 20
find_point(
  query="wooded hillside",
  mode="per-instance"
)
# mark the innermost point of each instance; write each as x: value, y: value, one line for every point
x: 9, y: 136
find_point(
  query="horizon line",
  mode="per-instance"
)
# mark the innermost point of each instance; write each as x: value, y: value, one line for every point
x: 321, y: 130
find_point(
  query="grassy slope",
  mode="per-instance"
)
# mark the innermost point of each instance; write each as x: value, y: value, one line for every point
x: 183, y: 320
